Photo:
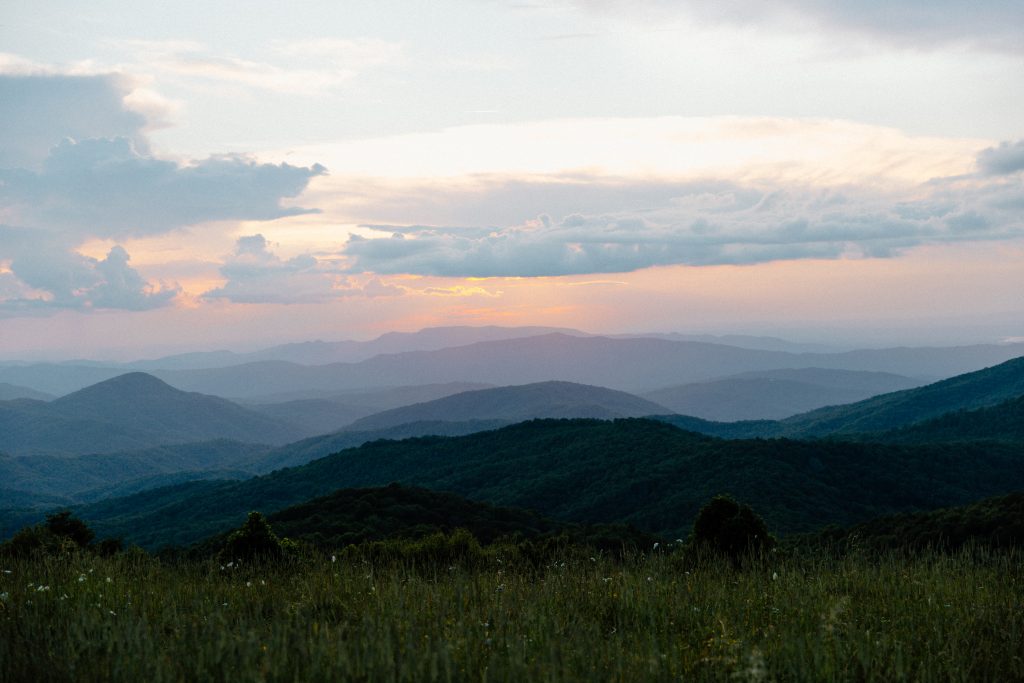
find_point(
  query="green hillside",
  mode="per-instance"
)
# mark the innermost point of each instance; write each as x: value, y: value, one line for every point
x: 639, y: 472
x: 73, y: 476
x: 995, y: 523
x: 886, y: 412
x: 1004, y: 421
x: 404, y: 512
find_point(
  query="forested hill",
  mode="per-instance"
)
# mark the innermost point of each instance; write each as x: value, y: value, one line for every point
x: 635, y: 471
x: 131, y: 411
x: 887, y: 412
x: 1004, y: 422
x: 995, y: 523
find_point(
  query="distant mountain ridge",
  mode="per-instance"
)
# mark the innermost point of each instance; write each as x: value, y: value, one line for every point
x: 979, y: 389
x: 776, y: 394
x: 635, y: 364
x: 134, y: 410
x: 10, y: 392
x: 518, y: 403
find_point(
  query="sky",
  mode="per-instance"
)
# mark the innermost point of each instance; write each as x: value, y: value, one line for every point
x: 199, y: 175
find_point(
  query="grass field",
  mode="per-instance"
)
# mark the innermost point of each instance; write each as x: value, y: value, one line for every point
x: 128, y: 618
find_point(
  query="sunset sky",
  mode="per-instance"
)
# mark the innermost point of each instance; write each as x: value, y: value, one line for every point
x: 198, y: 175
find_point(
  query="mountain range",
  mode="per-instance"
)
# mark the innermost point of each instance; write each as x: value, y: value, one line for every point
x: 629, y: 364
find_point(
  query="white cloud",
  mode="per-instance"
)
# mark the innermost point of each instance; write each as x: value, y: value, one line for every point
x: 255, y: 275
x: 709, y: 223
x: 307, y: 67
x: 75, y: 167
x: 987, y: 24
x: 52, y: 278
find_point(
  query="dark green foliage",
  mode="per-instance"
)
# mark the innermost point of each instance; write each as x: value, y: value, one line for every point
x: 638, y: 472
x: 728, y: 528
x: 1003, y: 422
x: 254, y: 540
x: 396, y: 512
x: 88, y: 478
x: 60, y: 533
x: 64, y: 525
x: 436, y: 551
x: 995, y: 524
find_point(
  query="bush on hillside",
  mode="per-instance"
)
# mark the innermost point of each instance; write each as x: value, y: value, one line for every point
x: 727, y: 528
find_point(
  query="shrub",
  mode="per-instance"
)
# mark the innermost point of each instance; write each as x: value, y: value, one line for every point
x: 730, y: 529
x: 255, y: 540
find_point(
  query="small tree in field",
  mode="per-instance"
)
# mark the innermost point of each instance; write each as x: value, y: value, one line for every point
x: 727, y: 528
x: 255, y: 540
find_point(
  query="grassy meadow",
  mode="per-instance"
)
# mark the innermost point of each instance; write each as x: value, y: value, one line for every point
x: 80, y: 617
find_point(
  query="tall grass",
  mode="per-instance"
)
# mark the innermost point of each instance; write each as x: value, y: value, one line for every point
x: 128, y: 618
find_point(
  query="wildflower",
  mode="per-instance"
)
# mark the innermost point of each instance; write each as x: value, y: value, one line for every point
x: 7, y: 571
x: 81, y: 578
x: 231, y: 564
x: 656, y: 544
x: 248, y: 584
x: 110, y: 580
x: 112, y: 612
x: 42, y: 588
x: 334, y: 558
x: 775, y: 576
x: 4, y: 596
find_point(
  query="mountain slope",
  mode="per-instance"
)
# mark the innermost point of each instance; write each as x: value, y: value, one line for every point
x: 143, y: 402
x: 1004, y: 421
x: 632, y: 471
x: 886, y: 412
x: 129, y: 412
x: 71, y: 476
x: 10, y: 392
x: 972, y: 390
x: 518, y: 403
x: 993, y: 523
x: 372, y: 514
x: 301, y: 452
x: 776, y: 394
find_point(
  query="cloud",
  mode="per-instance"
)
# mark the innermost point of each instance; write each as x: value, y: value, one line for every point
x: 988, y: 24
x: 40, y: 110
x: 76, y: 167
x: 1006, y: 158
x: 45, y: 279
x: 255, y: 275
x: 107, y: 188
x: 705, y: 224
x: 306, y: 67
